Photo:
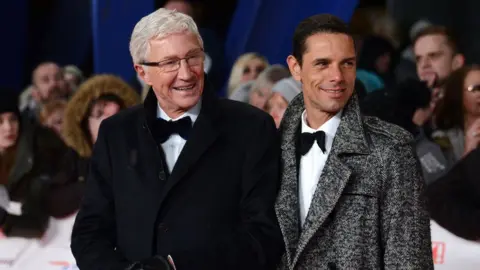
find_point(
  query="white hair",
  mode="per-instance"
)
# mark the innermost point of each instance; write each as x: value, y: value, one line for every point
x: 158, y: 25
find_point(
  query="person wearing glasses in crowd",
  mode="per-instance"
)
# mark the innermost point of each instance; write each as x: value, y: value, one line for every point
x: 186, y: 180
x: 458, y: 114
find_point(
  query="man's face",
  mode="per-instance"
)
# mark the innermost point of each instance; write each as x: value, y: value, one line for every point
x: 435, y: 59
x: 327, y: 73
x: 48, y: 82
x: 178, y: 84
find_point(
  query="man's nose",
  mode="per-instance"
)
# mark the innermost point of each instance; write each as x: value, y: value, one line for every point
x: 184, y: 72
x: 336, y: 74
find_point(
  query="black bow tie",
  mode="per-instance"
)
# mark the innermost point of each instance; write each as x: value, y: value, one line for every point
x: 165, y: 128
x: 307, y: 140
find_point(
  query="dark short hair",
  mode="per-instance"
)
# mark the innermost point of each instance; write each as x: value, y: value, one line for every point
x: 450, y: 110
x: 320, y: 23
x: 434, y: 30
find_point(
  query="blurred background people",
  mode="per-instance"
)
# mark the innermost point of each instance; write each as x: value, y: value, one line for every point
x: 376, y: 60
x: 247, y: 68
x: 73, y: 76
x: 458, y: 114
x: 262, y: 86
x: 96, y: 99
x: 29, y: 157
x: 47, y: 84
x: 52, y: 115
x: 437, y: 56
x: 282, y: 93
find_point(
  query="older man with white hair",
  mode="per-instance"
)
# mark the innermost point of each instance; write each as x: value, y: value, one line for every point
x: 186, y: 180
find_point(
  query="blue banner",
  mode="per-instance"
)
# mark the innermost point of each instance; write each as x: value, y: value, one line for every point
x: 14, y: 21
x: 112, y: 24
x: 267, y: 26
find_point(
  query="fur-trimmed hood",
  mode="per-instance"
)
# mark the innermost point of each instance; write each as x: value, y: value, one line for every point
x: 77, y: 107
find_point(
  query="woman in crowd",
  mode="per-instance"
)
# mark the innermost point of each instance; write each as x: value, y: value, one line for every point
x: 457, y: 116
x: 247, y: 68
x: 51, y: 115
x: 29, y: 157
x: 95, y: 100
x: 282, y: 93
x: 262, y: 87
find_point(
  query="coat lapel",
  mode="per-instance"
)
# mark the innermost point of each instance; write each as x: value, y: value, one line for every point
x: 203, y: 135
x: 349, y: 139
x: 286, y: 206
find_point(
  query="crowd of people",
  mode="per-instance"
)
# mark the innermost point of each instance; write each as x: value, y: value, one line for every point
x: 49, y: 130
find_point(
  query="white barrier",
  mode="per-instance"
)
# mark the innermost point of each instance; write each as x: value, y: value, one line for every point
x: 451, y: 252
x: 51, y: 252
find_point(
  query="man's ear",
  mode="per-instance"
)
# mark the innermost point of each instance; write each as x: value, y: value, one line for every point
x: 141, y: 71
x: 295, y: 67
x: 458, y: 61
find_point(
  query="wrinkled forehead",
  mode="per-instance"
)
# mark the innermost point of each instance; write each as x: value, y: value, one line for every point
x: 175, y: 45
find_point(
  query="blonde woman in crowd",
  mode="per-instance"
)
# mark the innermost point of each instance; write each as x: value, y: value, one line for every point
x: 52, y: 114
x: 247, y: 68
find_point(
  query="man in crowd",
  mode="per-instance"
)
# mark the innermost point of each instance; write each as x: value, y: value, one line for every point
x: 47, y: 84
x: 437, y: 56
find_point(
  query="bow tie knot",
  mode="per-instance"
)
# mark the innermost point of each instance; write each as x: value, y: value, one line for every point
x: 164, y: 129
x: 307, y: 140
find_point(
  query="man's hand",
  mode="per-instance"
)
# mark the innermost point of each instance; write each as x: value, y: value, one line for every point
x: 472, y: 137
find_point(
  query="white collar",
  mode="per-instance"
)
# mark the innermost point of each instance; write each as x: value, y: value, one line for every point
x: 329, y: 127
x: 192, y: 113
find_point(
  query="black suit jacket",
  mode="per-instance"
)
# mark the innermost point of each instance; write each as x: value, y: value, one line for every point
x: 215, y: 210
x: 454, y: 199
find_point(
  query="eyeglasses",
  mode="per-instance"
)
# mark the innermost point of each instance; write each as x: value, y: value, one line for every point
x: 474, y: 88
x: 174, y: 64
x: 257, y: 70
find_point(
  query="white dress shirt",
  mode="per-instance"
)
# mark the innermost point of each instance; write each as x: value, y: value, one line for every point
x: 312, y: 163
x: 173, y: 146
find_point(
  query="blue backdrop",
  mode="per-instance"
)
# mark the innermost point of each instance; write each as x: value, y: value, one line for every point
x: 112, y: 25
x: 14, y: 42
x: 267, y: 26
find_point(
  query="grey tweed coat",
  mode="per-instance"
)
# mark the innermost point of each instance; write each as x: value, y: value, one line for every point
x: 367, y: 211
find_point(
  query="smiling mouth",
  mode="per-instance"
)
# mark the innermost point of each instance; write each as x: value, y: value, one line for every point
x: 184, y: 88
x: 334, y: 91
